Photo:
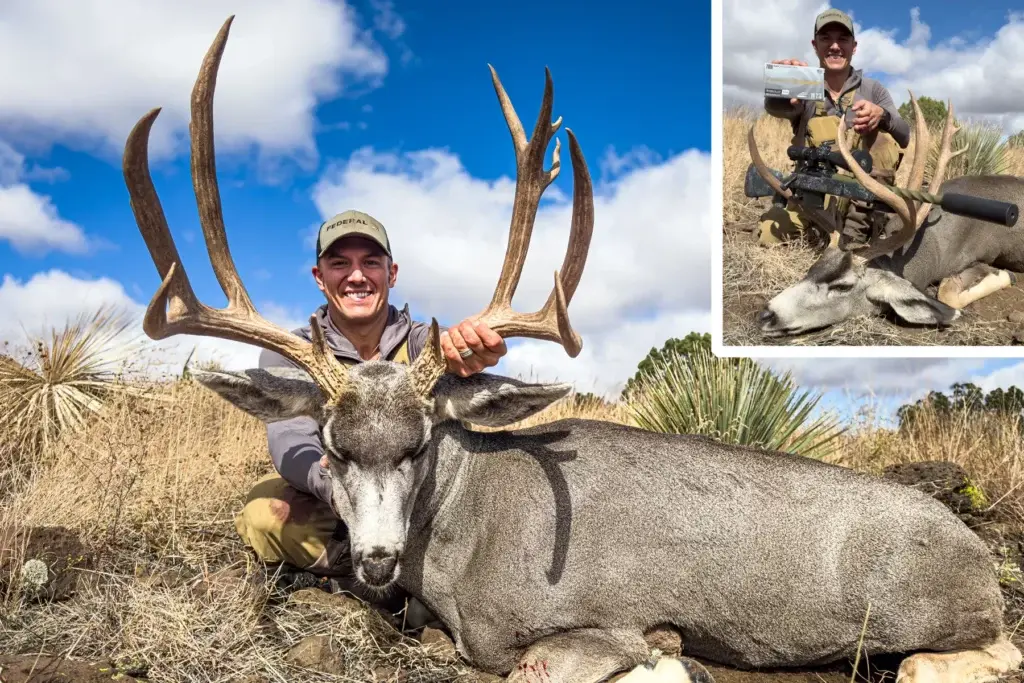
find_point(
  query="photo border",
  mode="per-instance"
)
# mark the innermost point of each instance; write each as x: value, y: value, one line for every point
x: 717, y: 202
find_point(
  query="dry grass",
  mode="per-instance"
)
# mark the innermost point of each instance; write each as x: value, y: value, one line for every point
x: 753, y: 274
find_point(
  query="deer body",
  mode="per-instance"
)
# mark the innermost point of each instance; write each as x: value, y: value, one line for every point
x: 760, y: 559
x: 948, y: 244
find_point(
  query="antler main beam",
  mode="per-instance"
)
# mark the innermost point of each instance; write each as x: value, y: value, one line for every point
x: 174, y: 308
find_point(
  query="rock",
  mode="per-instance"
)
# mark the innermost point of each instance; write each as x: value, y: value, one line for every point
x: 1016, y: 317
x: 57, y: 548
x: 316, y: 653
x: 947, y: 482
x: 33, y: 668
x: 665, y: 639
x: 439, y: 644
x: 320, y: 600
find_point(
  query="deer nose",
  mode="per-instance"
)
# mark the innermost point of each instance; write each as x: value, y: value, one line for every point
x: 766, y: 317
x: 378, y: 568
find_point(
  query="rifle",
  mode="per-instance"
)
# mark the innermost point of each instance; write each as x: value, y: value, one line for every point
x: 816, y: 174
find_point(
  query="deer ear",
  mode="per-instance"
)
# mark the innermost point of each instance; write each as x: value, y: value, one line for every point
x: 267, y: 396
x: 910, y: 304
x: 492, y: 400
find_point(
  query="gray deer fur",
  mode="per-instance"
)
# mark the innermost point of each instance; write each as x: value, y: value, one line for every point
x: 836, y: 288
x: 578, y: 536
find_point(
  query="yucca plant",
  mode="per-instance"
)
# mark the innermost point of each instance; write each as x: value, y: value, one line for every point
x: 986, y: 153
x: 734, y: 400
x: 61, y: 379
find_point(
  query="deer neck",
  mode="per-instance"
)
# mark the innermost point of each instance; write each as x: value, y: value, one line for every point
x: 445, y: 483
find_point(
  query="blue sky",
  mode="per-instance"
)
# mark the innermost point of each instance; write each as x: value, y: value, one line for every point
x: 407, y: 127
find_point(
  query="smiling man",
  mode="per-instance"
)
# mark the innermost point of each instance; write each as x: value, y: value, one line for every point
x: 874, y: 122
x: 287, y: 516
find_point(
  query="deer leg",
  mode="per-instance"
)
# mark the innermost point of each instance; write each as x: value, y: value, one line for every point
x: 967, y: 666
x: 595, y: 656
x: 972, y: 284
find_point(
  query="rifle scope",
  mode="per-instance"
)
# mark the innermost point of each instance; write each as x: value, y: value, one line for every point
x: 818, y: 155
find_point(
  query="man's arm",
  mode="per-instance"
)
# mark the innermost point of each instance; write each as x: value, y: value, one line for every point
x: 896, y: 126
x: 295, y: 445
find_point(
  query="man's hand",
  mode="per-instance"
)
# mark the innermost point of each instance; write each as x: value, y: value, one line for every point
x: 790, y: 62
x: 487, y: 347
x: 868, y: 116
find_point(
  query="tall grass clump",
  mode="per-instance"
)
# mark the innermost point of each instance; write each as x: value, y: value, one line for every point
x: 732, y: 400
x: 59, y: 380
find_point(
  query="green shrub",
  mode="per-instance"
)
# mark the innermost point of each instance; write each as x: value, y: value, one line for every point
x: 733, y: 400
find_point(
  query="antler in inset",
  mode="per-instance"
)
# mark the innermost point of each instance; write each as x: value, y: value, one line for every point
x: 551, y: 322
x: 174, y: 308
x: 912, y: 214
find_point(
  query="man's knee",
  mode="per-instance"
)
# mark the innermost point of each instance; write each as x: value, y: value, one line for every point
x: 282, y: 524
x: 778, y: 225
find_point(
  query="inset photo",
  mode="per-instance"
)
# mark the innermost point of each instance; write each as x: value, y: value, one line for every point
x: 870, y: 181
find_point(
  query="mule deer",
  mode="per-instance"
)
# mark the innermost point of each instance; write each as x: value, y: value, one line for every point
x: 968, y: 258
x: 557, y: 548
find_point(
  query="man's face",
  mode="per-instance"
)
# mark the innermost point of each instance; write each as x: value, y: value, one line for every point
x: 355, y: 275
x: 834, y: 46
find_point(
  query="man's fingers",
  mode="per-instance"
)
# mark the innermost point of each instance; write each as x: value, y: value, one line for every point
x: 491, y: 339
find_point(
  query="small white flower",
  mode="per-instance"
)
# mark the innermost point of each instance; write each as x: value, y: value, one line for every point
x: 35, y: 574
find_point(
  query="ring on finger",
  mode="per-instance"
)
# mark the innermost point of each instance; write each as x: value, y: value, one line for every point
x: 466, y: 353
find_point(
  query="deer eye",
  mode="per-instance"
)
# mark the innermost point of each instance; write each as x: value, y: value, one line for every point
x: 840, y: 287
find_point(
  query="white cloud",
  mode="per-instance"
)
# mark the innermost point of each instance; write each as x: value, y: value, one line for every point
x: 30, y: 221
x: 50, y: 299
x: 877, y: 376
x: 31, y: 224
x: 117, y: 59
x: 977, y: 73
x: 647, y: 276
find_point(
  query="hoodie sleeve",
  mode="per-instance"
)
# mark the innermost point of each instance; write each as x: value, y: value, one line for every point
x: 295, y: 446
x: 898, y: 128
x: 418, y: 337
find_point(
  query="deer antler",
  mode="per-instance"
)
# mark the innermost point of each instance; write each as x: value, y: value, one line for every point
x: 174, y: 308
x: 911, y: 214
x: 551, y: 322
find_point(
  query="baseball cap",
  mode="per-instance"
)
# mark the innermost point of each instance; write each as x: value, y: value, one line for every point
x: 349, y: 223
x: 833, y: 16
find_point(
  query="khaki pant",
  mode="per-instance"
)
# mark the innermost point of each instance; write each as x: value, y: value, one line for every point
x: 284, y: 525
x: 779, y: 224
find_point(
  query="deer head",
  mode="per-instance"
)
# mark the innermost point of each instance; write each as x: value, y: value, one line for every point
x: 841, y: 285
x: 375, y: 418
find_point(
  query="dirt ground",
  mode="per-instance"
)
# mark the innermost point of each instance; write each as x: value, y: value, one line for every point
x: 753, y: 274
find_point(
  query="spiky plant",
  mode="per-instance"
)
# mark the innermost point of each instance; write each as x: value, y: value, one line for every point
x: 986, y: 154
x: 731, y: 400
x: 62, y: 378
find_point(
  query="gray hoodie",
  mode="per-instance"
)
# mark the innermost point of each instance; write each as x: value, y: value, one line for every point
x: 295, y: 445
x: 867, y: 89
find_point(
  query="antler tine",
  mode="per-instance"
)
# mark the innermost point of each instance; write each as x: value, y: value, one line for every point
x: 905, y: 208
x: 762, y: 168
x: 174, y: 308
x: 204, y: 176
x: 551, y: 322
x: 945, y: 156
x: 922, y: 147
